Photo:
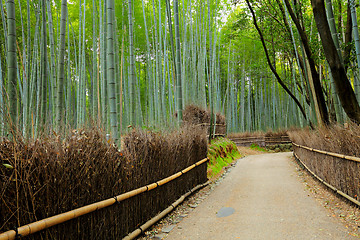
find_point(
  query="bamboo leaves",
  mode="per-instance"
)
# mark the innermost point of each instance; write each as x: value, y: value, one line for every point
x: 125, y: 63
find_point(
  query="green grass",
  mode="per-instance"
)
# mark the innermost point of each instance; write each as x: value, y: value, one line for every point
x: 221, y: 153
x: 256, y: 147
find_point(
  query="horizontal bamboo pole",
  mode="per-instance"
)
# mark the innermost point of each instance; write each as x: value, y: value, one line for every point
x: 63, y: 217
x: 208, y: 124
x: 245, y: 142
x: 350, y: 158
x: 217, y: 135
x: 245, y: 138
x: 261, y: 137
x: 327, y: 184
x: 279, y: 141
x: 287, y: 137
x: 161, y: 215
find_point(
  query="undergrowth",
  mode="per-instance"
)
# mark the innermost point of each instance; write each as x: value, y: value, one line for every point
x: 221, y: 153
x: 256, y: 147
x: 48, y: 176
x: 340, y: 173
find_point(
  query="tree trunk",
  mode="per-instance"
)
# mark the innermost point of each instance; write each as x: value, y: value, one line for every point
x: 272, y: 67
x: 348, y: 38
x: 11, y: 59
x: 178, y: 61
x: 344, y: 90
x: 132, y: 70
x: 322, y: 110
x: 61, y: 64
x: 357, y: 45
x: 334, y: 33
x: 111, y: 70
x: 44, y: 72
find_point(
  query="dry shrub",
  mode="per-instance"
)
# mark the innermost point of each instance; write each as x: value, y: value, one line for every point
x: 341, y: 173
x: 334, y: 138
x: 46, y: 177
x: 262, y: 139
x: 246, y: 135
x: 276, y: 134
x: 220, y: 119
x: 195, y: 115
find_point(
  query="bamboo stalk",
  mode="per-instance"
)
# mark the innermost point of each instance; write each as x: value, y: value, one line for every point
x: 61, y: 65
x: 357, y: 42
x: 178, y: 63
x: 133, y: 115
x: 12, y: 61
x: 111, y: 71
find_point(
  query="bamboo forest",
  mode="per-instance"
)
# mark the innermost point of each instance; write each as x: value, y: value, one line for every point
x: 115, y: 112
x: 120, y: 64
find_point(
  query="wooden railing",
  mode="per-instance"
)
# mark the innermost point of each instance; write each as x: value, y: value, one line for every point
x: 261, y: 140
x: 60, y: 218
x: 352, y: 167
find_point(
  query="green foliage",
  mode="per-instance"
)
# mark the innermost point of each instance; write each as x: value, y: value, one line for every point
x: 256, y: 147
x: 222, y: 60
x: 221, y: 153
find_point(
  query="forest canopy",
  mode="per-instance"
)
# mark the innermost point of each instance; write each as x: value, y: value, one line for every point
x: 264, y: 64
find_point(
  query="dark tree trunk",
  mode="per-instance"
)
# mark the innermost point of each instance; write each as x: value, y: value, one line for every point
x: 272, y: 66
x: 342, y: 84
x: 315, y: 75
x: 348, y: 38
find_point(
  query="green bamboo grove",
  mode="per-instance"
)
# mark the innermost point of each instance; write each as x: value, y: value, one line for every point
x: 123, y: 64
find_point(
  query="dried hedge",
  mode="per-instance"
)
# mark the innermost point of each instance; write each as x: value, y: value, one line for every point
x: 195, y: 115
x: 340, y: 173
x: 246, y: 135
x: 48, y: 176
x: 269, y: 138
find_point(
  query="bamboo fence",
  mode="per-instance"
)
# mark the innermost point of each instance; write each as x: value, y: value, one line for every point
x: 152, y: 221
x: 261, y: 140
x: 350, y: 158
x: 341, y: 156
x: 60, y: 218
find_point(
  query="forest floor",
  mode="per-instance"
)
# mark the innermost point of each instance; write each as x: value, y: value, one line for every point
x: 266, y: 197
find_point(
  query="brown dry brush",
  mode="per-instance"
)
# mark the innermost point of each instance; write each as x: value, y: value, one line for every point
x: 275, y: 135
x: 195, y: 115
x: 340, y: 173
x: 46, y: 177
x: 246, y: 135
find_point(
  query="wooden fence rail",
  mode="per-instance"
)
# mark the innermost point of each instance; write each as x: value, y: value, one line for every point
x: 350, y: 158
x: 336, y: 155
x: 63, y: 217
x: 261, y: 140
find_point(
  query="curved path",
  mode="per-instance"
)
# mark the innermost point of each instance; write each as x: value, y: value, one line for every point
x: 261, y: 198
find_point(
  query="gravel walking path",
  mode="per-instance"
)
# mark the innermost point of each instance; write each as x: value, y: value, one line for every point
x: 261, y: 198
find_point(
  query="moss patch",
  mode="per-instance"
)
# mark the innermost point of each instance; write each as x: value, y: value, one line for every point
x: 256, y: 147
x: 221, y: 153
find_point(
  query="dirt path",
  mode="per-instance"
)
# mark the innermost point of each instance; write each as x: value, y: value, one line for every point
x: 261, y: 198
